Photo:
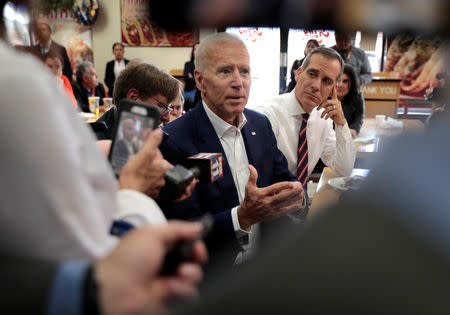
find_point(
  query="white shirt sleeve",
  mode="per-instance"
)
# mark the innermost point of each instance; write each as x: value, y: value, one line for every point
x: 138, y: 209
x: 339, y: 151
x: 237, y: 227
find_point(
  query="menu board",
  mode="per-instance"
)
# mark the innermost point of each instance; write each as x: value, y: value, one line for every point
x: 139, y: 30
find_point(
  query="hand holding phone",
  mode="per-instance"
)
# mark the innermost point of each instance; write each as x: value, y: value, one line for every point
x: 134, y: 124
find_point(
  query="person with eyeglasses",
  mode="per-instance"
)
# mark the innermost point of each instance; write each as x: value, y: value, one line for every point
x: 178, y: 107
x: 145, y: 83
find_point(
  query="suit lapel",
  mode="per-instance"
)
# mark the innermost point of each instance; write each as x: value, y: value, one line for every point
x: 207, y: 141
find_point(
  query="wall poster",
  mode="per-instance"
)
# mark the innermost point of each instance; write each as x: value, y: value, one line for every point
x: 75, y: 37
x: 417, y: 61
x: 139, y: 30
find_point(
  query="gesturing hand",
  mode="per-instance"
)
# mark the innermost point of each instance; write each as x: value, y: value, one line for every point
x: 333, y: 109
x: 268, y: 203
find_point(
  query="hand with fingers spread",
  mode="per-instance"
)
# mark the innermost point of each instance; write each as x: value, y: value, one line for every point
x: 268, y: 203
x: 333, y: 109
x: 129, y: 279
x: 145, y: 172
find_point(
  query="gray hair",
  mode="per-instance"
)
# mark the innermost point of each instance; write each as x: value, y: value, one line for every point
x: 82, y: 70
x: 328, y: 53
x: 201, y: 54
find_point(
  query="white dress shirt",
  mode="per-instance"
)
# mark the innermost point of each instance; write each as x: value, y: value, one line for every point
x: 234, y: 147
x: 118, y: 67
x: 334, y: 147
x: 58, y: 191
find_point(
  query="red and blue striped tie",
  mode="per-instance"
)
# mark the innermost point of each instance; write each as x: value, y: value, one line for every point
x: 302, y: 153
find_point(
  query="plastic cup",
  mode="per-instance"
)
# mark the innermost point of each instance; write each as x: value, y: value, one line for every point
x: 94, y: 104
x: 107, y: 102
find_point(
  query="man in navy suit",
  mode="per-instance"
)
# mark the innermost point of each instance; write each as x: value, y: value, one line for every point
x: 256, y: 185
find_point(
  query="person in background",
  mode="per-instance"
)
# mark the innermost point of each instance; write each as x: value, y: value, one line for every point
x: 87, y: 85
x: 145, y: 83
x: 356, y: 57
x: 191, y: 94
x: 114, y: 67
x: 55, y: 62
x: 302, y: 120
x: 351, y: 99
x: 177, y: 105
x: 310, y: 45
x: 46, y: 44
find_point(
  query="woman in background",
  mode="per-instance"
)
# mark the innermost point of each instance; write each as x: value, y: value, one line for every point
x: 352, y: 100
x: 190, y: 90
x: 55, y: 63
x: 310, y: 45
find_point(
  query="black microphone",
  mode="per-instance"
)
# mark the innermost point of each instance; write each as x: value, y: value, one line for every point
x: 182, y: 251
x: 206, y: 167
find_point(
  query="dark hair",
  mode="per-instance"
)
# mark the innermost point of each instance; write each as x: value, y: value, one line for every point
x: 328, y: 53
x: 192, y: 51
x: 314, y: 41
x: 147, y: 79
x: 115, y: 44
x: 354, y: 81
x: 52, y: 54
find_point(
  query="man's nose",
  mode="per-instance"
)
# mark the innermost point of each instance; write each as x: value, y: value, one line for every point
x: 237, y: 79
x: 316, y: 84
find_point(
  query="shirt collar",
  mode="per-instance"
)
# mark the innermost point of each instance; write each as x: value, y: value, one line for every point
x: 47, y: 47
x: 293, y: 107
x: 220, y: 125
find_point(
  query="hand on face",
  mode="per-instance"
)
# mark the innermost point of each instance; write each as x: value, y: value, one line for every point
x: 145, y: 172
x: 268, y: 203
x: 333, y: 109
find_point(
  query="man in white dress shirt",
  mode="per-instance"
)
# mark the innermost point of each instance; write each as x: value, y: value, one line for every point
x: 315, y: 94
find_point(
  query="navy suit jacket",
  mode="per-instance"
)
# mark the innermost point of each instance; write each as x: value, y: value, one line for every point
x: 193, y: 133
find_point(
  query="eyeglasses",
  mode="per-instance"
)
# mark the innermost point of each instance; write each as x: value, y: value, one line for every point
x: 163, y: 107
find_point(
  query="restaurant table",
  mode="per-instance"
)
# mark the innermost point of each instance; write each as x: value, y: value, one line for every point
x: 93, y: 118
x: 325, y: 194
x: 370, y: 139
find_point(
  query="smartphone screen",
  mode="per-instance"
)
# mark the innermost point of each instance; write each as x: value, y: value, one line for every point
x: 132, y: 131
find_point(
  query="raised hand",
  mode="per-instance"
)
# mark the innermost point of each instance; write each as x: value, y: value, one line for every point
x: 333, y: 109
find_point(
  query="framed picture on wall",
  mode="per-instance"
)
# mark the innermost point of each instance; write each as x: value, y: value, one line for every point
x: 138, y: 29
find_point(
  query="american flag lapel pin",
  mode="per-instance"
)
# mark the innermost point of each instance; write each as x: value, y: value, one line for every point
x: 253, y: 133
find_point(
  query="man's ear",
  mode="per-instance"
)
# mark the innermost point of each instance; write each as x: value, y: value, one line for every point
x: 198, y: 80
x: 297, y: 73
x: 132, y: 94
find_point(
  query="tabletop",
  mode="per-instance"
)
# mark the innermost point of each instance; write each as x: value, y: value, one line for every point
x: 325, y: 194
x: 371, y: 137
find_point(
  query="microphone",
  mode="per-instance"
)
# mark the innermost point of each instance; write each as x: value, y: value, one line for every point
x: 206, y: 167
